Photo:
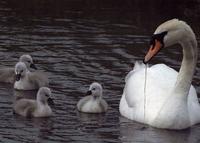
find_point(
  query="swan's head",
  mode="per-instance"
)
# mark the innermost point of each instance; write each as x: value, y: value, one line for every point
x: 20, y: 70
x: 167, y: 34
x: 44, y: 96
x: 27, y: 59
x: 95, y: 90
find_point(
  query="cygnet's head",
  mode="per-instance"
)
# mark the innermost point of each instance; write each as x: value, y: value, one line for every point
x: 44, y: 95
x: 27, y: 59
x: 20, y: 70
x: 95, y: 90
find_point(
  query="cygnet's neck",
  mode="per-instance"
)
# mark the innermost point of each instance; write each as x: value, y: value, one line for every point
x: 41, y: 101
x: 96, y: 97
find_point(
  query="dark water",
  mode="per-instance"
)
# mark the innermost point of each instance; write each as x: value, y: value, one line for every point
x: 80, y: 42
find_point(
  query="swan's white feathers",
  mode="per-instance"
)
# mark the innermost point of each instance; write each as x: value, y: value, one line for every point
x: 171, y: 100
x: 132, y: 105
x: 138, y: 65
x: 172, y: 25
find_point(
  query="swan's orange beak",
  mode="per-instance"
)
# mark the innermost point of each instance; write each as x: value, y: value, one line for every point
x: 154, y: 49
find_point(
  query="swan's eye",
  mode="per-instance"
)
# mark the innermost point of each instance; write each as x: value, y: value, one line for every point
x: 159, y: 37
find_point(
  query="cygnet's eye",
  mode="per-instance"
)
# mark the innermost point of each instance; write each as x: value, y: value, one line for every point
x: 47, y: 95
x: 29, y: 61
x: 93, y: 88
x: 21, y: 71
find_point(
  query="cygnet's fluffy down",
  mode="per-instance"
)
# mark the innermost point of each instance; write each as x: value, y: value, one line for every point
x: 7, y: 75
x: 26, y: 80
x: 35, y: 108
x: 94, y: 103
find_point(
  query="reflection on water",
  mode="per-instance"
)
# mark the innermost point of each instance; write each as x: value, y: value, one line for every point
x: 133, y: 132
x: 78, y: 45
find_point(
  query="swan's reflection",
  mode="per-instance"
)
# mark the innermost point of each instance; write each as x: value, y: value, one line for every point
x: 131, y: 131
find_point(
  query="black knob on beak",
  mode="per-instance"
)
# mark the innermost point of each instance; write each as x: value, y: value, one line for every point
x: 89, y: 92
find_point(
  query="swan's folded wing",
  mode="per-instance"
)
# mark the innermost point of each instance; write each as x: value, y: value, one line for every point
x: 160, y: 79
x: 23, y: 105
x: 39, y: 79
x: 82, y: 102
x: 138, y: 66
x: 7, y: 75
x: 103, y: 105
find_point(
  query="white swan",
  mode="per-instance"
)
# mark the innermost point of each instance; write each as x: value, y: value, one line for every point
x: 94, y: 103
x: 34, y: 108
x: 171, y: 101
x: 26, y: 80
x: 7, y: 75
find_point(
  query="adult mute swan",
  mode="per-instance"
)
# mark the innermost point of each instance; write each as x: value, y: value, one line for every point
x: 170, y: 100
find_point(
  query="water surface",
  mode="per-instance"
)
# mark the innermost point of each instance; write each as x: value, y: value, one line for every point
x: 76, y: 46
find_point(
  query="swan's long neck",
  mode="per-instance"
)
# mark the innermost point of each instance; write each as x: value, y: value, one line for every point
x: 188, y: 65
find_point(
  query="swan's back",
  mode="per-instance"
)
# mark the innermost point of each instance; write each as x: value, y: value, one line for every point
x: 160, y: 81
x: 39, y: 79
x: 134, y: 90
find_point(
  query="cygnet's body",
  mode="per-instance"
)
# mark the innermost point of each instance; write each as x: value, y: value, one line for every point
x: 94, y: 103
x: 26, y: 80
x: 7, y: 75
x: 34, y: 108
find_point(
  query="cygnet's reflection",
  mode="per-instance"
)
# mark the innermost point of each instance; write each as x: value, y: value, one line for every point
x: 89, y: 118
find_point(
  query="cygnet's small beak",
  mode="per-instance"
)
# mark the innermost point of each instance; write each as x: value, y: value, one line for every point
x: 50, y: 101
x: 89, y: 92
x: 33, y: 66
x: 17, y: 77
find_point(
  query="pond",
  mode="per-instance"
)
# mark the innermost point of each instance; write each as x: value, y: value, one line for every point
x: 78, y: 43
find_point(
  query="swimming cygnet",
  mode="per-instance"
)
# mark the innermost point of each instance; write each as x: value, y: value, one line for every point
x: 7, y: 75
x: 35, y: 108
x: 27, y: 59
x: 94, y: 103
x: 26, y: 80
